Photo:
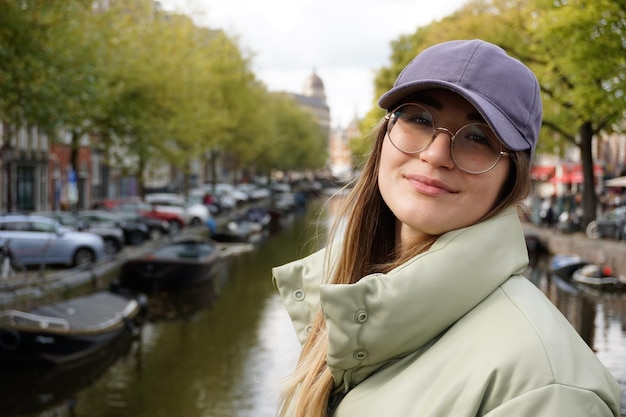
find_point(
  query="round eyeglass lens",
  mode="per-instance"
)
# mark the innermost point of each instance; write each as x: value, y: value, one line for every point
x: 412, y: 126
x: 475, y: 148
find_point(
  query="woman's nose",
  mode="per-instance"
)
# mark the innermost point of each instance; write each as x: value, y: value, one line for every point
x: 439, y: 152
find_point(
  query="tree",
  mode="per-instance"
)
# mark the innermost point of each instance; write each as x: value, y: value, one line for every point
x: 147, y: 87
x: 49, y: 72
x: 33, y: 64
x: 581, y: 57
x: 300, y: 143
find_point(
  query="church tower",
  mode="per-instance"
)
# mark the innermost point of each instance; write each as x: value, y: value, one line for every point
x: 314, y: 87
x: 313, y: 98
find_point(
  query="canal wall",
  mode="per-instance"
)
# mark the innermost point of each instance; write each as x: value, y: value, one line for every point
x: 605, y: 251
x: 33, y: 288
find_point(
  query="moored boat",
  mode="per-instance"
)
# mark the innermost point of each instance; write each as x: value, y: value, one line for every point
x: 234, y: 232
x: 597, y: 276
x: 66, y: 331
x: 258, y: 215
x: 173, y: 266
x: 564, y: 265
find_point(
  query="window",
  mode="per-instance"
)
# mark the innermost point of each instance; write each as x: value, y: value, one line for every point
x: 16, y: 226
x: 39, y: 226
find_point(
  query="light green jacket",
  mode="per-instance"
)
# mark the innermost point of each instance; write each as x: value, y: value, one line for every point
x: 456, y: 331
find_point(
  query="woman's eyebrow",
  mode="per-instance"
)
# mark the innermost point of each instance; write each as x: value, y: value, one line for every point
x: 429, y: 101
x: 476, y: 117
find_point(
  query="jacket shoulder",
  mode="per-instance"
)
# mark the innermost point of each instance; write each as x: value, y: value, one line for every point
x: 536, y: 347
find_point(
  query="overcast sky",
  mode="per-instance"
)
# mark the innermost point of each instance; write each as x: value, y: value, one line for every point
x: 343, y: 41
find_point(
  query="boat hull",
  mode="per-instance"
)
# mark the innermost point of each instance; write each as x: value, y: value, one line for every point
x: 67, y: 331
x: 592, y: 275
x: 167, y: 270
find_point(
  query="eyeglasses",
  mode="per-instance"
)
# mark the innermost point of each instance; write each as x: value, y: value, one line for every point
x: 475, y: 148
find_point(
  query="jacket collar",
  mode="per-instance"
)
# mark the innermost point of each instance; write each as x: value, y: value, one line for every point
x: 388, y: 316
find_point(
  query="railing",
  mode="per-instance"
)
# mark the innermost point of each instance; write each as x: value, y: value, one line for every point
x: 20, y: 318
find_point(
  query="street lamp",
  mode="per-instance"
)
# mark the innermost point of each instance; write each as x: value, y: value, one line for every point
x: 6, y: 156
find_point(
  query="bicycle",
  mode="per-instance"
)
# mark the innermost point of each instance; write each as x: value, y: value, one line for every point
x: 9, y: 267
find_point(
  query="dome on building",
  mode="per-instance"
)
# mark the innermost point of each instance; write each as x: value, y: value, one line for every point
x: 314, y: 87
x: 313, y: 81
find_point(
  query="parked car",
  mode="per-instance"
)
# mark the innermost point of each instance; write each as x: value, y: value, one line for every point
x: 254, y: 192
x: 174, y: 220
x: 611, y: 225
x: 222, y: 201
x: 224, y: 189
x: 35, y: 240
x: 195, y: 214
x: 112, y: 235
x: 134, y: 232
x: 156, y: 227
x: 227, y: 196
x: 201, y: 196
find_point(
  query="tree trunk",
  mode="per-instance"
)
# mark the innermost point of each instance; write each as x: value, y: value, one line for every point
x: 141, y: 184
x: 590, y: 199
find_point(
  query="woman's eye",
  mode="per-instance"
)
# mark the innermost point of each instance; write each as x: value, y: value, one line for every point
x: 420, y: 120
x: 479, y: 139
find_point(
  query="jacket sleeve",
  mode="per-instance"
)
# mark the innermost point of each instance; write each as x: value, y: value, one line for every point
x: 556, y: 401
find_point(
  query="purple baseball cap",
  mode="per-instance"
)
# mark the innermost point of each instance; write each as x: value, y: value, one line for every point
x: 503, y: 90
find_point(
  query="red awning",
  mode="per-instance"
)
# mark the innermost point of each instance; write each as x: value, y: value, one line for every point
x: 568, y: 178
x: 542, y: 172
x: 574, y: 175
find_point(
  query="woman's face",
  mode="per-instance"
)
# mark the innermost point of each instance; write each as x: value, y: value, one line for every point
x: 426, y: 191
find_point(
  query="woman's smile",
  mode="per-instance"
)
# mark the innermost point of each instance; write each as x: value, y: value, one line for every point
x: 429, y: 186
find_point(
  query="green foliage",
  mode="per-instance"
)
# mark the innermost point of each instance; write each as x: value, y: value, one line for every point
x: 299, y: 141
x: 582, y: 66
x: 147, y: 85
x: 32, y: 64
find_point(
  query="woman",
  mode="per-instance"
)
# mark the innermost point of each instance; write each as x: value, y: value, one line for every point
x: 421, y: 309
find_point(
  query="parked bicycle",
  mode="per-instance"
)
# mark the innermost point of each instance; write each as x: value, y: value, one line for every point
x: 9, y: 267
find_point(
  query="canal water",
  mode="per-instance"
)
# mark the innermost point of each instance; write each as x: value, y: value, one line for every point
x: 202, y: 354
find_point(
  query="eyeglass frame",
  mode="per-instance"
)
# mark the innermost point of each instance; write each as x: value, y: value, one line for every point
x: 436, y: 132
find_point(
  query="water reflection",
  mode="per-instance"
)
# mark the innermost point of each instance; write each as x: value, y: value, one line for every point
x: 28, y: 391
x: 598, y: 316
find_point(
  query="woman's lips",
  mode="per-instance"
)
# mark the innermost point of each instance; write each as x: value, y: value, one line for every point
x: 430, y: 186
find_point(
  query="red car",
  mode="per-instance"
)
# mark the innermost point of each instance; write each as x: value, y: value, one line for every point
x: 135, y: 206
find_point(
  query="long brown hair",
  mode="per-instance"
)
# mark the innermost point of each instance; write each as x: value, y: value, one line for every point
x: 368, y: 245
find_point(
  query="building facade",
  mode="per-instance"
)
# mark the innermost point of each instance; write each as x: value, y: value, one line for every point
x: 313, y: 99
x: 339, y: 151
x: 24, y: 162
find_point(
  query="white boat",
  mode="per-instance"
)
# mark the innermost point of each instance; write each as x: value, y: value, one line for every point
x: 597, y: 276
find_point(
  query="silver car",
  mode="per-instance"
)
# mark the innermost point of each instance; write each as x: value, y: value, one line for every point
x: 35, y: 240
x: 112, y: 235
